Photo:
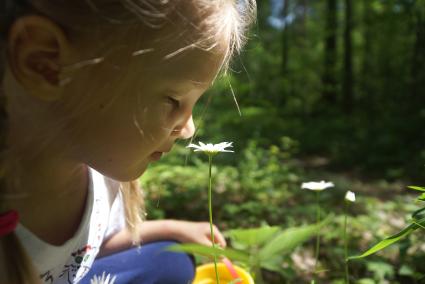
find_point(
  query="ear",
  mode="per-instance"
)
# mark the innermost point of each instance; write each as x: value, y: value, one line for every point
x: 37, y: 48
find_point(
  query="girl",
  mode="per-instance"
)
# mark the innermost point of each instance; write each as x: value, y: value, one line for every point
x: 95, y: 91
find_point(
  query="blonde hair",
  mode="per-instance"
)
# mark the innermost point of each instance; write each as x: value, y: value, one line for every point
x: 203, y: 23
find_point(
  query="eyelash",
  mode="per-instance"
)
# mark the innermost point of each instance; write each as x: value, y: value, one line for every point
x: 175, y: 103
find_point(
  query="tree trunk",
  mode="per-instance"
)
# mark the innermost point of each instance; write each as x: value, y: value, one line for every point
x: 418, y: 58
x: 285, y: 39
x: 348, y: 58
x: 303, y: 20
x: 366, y: 68
x: 329, y: 80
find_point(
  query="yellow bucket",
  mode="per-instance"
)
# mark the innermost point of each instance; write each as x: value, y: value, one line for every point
x: 205, y: 274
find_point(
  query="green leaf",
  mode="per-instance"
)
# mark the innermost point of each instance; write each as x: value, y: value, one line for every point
x: 253, y: 237
x: 422, y: 197
x: 381, y: 270
x: 419, y: 188
x: 419, y: 214
x: 210, y: 251
x: 419, y: 223
x: 273, y: 264
x: 289, y: 239
x: 387, y: 242
x: 406, y: 270
x: 366, y: 281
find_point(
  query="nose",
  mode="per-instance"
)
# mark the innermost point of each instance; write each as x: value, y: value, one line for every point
x: 187, y: 130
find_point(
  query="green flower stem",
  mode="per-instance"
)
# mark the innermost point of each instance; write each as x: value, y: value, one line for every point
x: 316, y: 254
x: 211, y: 218
x: 347, y: 281
x: 258, y: 276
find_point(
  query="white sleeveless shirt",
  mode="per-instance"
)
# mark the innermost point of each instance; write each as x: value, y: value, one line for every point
x: 68, y: 263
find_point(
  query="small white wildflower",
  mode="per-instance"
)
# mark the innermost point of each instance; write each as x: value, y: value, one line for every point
x: 350, y: 196
x: 316, y: 186
x: 105, y: 279
x: 211, y: 149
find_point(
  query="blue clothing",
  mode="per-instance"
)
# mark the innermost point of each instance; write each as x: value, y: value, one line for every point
x: 148, y: 264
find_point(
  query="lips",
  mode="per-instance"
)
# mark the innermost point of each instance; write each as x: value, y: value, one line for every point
x: 156, y: 155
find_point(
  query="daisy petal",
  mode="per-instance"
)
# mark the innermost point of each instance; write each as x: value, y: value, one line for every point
x: 316, y: 186
x: 211, y: 149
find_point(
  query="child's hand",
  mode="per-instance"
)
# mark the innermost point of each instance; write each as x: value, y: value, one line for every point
x: 195, y: 232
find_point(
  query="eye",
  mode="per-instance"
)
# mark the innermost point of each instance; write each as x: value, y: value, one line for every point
x: 174, y: 102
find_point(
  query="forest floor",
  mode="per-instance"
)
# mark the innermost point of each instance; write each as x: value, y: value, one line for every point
x: 355, y: 181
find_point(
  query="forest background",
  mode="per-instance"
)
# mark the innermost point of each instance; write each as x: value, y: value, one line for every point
x: 325, y: 90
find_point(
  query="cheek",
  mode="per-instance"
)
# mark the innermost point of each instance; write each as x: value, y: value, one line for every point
x: 152, y: 122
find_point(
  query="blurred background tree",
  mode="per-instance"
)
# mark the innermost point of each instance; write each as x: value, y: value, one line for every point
x: 344, y: 78
x: 330, y: 89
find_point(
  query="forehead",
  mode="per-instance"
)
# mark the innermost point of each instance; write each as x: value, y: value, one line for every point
x: 150, y: 58
x: 192, y: 65
x: 195, y: 65
x: 177, y: 53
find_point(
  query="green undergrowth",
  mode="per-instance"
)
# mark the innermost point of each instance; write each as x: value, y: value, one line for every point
x: 262, y: 187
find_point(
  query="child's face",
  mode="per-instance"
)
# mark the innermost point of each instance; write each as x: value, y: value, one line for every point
x: 138, y: 110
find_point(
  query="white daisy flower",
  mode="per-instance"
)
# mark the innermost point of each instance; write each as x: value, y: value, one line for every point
x: 317, y: 186
x: 211, y: 149
x: 104, y: 279
x: 350, y: 196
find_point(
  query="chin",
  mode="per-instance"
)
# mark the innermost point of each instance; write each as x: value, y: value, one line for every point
x: 125, y: 176
x: 130, y: 176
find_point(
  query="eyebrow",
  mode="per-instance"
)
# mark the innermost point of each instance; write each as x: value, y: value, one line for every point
x: 179, y: 90
x: 198, y: 83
